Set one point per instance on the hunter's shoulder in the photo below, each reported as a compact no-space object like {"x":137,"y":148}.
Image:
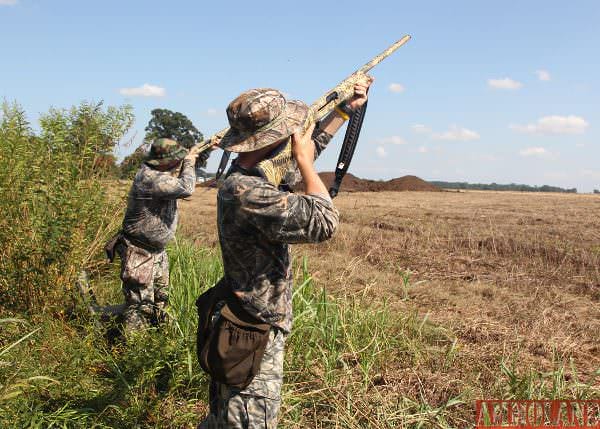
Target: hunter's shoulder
{"x":148,"y":179}
{"x":146,"y":173}
{"x":249,"y":190}
{"x":240,"y":185}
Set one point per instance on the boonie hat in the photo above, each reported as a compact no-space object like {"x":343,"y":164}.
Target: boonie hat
{"x":164,"y":152}
{"x":260,"y":117}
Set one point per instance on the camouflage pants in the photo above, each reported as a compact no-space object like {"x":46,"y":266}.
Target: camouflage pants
{"x":258,"y":404}
{"x":145,"y":304}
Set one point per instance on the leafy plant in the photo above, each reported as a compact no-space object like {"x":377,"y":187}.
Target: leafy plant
{"x":56,"y":215}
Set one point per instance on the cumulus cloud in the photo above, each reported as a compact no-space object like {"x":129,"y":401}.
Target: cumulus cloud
{"x":456,"y":133}
{"x":211,"y":112}
{"x":8,"y":2}
{"x":421,"y":129}
{"x":396,"y":87}
{"x":422,"y":149}
{"x":380,"y":150}
{"x":504,"y":83}
{"x":543,"y":75}
{"x":554,"y":125}
{"x":146,"y":90}
{"x":392,"y":140}
{"x":533,"y":151}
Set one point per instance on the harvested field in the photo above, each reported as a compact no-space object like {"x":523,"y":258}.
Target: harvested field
{"x":515,"y":278}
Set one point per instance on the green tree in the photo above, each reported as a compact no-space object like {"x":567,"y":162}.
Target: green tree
{"x":173,"y":125}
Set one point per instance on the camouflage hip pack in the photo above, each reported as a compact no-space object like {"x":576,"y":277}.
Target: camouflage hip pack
{"x":137,"y":263}
{"x":230,"y":343}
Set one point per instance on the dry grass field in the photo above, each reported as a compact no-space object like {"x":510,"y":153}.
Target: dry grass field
{"x":513,"y":278}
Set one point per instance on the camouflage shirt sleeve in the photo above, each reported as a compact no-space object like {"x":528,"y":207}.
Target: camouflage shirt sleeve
{"x":321,"y":139}
{"x":167,"y":187}
{"x":289,"y":218}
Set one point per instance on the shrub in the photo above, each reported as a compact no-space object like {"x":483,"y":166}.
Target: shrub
{"x":55,"y":211}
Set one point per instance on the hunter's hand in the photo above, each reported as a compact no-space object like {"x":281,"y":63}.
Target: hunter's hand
{"x":303,"y":147}
{"x":192,"y":153}
{"x":360,"y":93}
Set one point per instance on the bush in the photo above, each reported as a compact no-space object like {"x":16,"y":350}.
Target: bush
{"x":56,"y":215}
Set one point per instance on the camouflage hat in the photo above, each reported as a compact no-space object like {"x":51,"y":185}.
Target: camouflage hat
{"x":164,"y":152}
{"x":260,"y":117}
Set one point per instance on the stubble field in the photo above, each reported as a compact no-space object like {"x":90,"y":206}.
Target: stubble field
{"x":511,"y":279}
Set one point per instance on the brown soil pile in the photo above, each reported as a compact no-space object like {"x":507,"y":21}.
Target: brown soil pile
{"x":352,"y":183}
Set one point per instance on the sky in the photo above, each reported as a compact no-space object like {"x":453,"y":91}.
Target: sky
{"x":485,"y":91}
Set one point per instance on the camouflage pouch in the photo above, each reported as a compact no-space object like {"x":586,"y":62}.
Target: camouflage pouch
{"x":231,"y":343}
{"x":137,"y":264}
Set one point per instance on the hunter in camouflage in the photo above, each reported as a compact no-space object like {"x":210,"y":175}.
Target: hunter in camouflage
{"x":149,"y":224}
{"x":256,"y":223}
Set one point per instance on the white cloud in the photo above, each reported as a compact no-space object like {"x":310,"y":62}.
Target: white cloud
{"x":456,"y":133}
{"x":554,"y":125}
{"x":421,"y":129}
{"x":533,"y":151}
{"x":211,"y":112}
{"x":146,"y":90}
{"x":392,"y":140}
{"x":422,"y":149}
{"x":8,"y":2}
{"x":543,"y":75}
{"x":397,"y":140}
{"x":504,"y":83}
{"x":396,"y":87}
{"x":381,"y":151}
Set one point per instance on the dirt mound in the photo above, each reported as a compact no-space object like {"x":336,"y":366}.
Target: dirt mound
{"x":351,"y":183}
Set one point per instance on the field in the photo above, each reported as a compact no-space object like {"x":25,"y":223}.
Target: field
{"x":420,"y":304}
{"x":513,"y":279}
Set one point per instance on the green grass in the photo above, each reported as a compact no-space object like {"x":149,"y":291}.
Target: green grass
{"x":350,"y":363}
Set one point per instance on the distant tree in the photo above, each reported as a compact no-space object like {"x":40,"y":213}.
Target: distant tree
{"x":173,"y":125}
{"x":596,"y":191}
{"x":501,"y":187}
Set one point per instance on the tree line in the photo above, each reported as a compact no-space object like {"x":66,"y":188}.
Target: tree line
{"x":503,"y":187}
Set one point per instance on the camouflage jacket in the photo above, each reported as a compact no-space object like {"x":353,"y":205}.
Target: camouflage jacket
{"x":151,"y":215}
{"x":256,"y":222}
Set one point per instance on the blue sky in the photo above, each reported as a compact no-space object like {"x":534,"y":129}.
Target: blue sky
{"x":484,"y":92}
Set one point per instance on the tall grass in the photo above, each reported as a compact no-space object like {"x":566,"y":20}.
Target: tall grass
{"x":350,"y":363}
